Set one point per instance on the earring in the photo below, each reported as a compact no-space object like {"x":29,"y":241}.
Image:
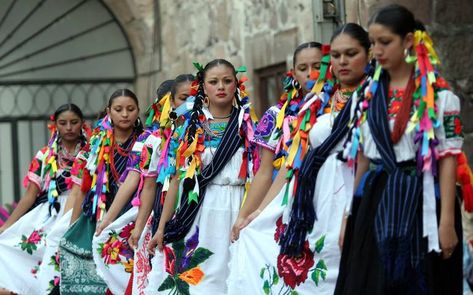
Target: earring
{"x":137,"y":122}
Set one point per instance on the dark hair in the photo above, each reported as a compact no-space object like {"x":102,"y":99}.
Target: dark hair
{"x":398,"y":18}
{"x":303,"y":46}
{"x":164,"y":88}
{"x":127,"y":93}
{"x":356,"y":32}
{"x":68,"y":107}
{"x":213,"y":64}
{"x":122,"y":92}
{"x":180,"y":79}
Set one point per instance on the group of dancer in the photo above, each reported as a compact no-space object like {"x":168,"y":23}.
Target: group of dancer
{"x":346,"y":186}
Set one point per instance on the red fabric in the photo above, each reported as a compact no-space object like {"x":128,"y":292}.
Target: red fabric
{"x":129,"y":287}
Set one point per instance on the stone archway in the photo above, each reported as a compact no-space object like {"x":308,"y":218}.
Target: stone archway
{"x":53,"y":52}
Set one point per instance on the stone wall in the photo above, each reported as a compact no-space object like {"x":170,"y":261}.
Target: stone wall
{"x":260,"y":33}
{"x":255,"y":33}
{"x":450,"y":24}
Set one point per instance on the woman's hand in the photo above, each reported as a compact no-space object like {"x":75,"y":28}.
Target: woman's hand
{"x":156,"y":241}
{"x":133,"y":240}
{"x":448,"y":239}
{"x":105,"y":222}
{"x":241,"y":223}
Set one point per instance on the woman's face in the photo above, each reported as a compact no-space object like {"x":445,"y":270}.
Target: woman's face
{"x":69,"y":126}
{"x":123,"y":112}
{"x":181,"y":94}
{"x":348,"y":59}
{"x":220,"y":85}
{"x":388,"y":48}
{"x":307,"y":61}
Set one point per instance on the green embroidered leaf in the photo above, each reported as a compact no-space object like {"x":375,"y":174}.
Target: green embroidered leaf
{"x":321,"y":265}
{"x":199,"y":256}
{"x":294,"y":293}
{"x":320,"y":271}
{"x":315,"y":276}
{"x":168,"y":283}
{"x":319,"y":245}
{"x":182,"y":287}
{"x":266,"y":288}
{"x":261,"y":273}
{"x":275,"y":278}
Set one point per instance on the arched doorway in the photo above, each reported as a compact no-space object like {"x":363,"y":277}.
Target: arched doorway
{"x":53,"y":52}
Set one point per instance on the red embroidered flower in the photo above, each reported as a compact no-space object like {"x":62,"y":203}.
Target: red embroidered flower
{"x":394,"y":107}
{"x":458,"y":126}
{"x":441,"y":83}
{"x":110,"y":251}
{"x":34,"y":238}
{"x":127,"y":231}
{"x":169,"y":260}
{"x":294,"y":270}
{"x":280,"y":227}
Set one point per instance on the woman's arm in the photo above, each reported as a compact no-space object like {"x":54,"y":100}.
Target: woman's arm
{"x":447,"y":236}
{"x":77,"y":198}
{"x":123,"y":196}
{"x":23,"y":206}
{"x":273,"y":191}
{"x":148,"y":195}
{"x":259,"y":187}
{"x":166,"y":215}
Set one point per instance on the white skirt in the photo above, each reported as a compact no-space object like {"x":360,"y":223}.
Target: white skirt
{"x":22,"y":248}
{"x":112,"y":253}
{"x":258,"y":268}
{"x":48,"y":273}
{"x":142,"y":266}
{"x":205,"y":270}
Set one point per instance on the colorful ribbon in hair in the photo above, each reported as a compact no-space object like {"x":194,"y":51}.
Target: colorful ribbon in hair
{"x":424,"y":120}
{"x":312,"y":106}
{"x":98,"y":165}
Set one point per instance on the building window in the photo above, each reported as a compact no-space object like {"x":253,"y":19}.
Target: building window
{"x":270,"y":86}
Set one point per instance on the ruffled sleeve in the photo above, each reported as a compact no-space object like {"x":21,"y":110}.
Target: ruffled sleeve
{"x":144,"y":155}
{"x":78,"y":167}
{"x":36,"y":170}
{"x":264,"y":133}
{"x":450,"y":131}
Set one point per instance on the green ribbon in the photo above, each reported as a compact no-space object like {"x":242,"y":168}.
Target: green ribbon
{"x":198,"y":66}
{"x":241,"y":69}
{"x":149,"y":120}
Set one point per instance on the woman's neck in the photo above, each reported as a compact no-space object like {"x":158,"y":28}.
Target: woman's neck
{"x":349,"y":87}
{"x":121,"y":135}
{"x":70,"y":146}
{"x":220,"y":113}
{"x":400,"y":75}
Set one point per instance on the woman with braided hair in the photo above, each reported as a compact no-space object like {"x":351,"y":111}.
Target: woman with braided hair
{"x":23,"y":238}
{"x":402,"y":235}
{"x":284,"y":248}
{"x":214,"y":165}
{"x":273,"y":129}
{"x":138,"y":189}
{"x":95,"y":186}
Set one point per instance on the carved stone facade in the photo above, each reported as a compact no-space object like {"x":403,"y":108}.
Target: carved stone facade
{"x":168,"y":35}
